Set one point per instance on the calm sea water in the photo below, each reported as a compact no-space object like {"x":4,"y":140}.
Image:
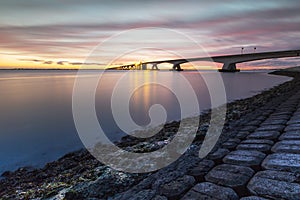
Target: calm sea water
{"x":36,"y":121}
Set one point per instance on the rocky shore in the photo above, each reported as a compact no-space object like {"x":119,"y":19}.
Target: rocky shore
{"x":256,"y":157}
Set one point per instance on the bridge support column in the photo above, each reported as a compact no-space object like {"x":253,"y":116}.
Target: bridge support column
{"x":144,"y":66}
{"x":132,"y":67}
{"x":154,"y":66}
{"x":176,"y":67}
{"x":229,"y":67}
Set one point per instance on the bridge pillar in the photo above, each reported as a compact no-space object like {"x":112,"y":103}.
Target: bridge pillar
{"x":176,"y":67}
{"x":144,"y":66}
{"x":154,"y":66}
{"x":229,"y":67}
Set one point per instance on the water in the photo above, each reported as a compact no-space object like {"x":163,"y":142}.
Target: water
{"x":36,"y":122}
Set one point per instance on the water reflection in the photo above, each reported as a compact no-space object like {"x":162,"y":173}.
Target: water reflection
{"x":36,"y":107}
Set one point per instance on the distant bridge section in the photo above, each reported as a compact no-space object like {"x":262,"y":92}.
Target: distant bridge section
{"x":229,"y":61}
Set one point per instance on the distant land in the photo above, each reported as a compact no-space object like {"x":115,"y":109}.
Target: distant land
{"x":296,"y":68}
{"x":41,"y":69}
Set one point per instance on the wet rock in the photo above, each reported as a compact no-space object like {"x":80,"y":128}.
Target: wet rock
{"x":248,"y":128}
{"x":158,"y":197}
{"x":293,"y":120}
{"x":218,"y":154}
{"x":258,"y":147}
{"x":244,"y":158}
{"x":274,"y":122}
{"x":231,"y":143}
{"x":290,"y":135}
{"x":279,"y":175}
{"x":168,"y":177}
{"x":262,"y":117}
{"x":257,"y":141}
{"x":292,"y":127}
{"x":279,"y":117}
{"x":271,"y":128}
{"x":72,"y":194}
{"x":229,"y":175}
{"x":274,"y":185}
{"x":143,"y":195}
{"x":253,"y":198}
{"x":109,"y":183}
{"x":204,"y":127}
{"x":288,"y":111}
{"x":7,"y":174}
{"x":283,"y":161}
{"x":287,"y":146}
{"x":201,"y":169}
{"x":176,"y":188}
{"x":256,"y":122}
{"x":242,"y":134}
{"x":271,"y":135}
{"x":210,"y":191}
{"x":189,"y":162}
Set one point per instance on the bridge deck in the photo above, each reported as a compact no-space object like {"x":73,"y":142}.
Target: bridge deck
{"x":228,"y":60}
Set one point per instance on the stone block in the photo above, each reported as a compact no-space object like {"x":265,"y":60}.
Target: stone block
{"x":273,"y":185}
{"x":287,"y":146}
{"x":210,"y":191}
{"x":264,"y":135}
{"x":176,"y":188}
{"x":271,"y":128}
{"x":290,"y":135}
{"x":282,"y":161}
{"x":201,"y":169}
{"x":244,"y":158}
{"x":254,"y":146}
{"x":218,"y":154}
{"x":230,"y":175}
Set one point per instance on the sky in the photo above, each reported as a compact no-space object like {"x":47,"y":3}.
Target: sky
{"x":63,"y":33}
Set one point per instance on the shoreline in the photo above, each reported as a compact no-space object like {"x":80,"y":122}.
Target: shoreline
{"x":78,"y":169}
{"x":66,"y":69}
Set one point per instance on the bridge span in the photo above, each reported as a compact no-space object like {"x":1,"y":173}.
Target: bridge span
{"x":229,"y":61}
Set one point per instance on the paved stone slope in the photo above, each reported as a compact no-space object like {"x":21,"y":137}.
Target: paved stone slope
{"x":258,"y":158}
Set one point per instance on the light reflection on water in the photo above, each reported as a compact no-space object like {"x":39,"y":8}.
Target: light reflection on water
{"x":36,"y":123}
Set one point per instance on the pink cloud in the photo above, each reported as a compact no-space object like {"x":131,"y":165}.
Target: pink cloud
{"x":268,"y":30}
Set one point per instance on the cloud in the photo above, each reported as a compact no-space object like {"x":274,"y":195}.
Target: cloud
{"x":32,"y":60}
{"x":60,"y":62}
{"x":48,"y":62}
{"x":220,"y":27}
{"x":81,"y":63}
{"x":278,"y":62}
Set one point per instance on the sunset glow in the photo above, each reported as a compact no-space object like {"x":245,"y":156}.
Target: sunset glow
{"x":61,"y":34}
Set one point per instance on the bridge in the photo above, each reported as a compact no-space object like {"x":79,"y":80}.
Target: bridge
{"x":229,"y":61}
